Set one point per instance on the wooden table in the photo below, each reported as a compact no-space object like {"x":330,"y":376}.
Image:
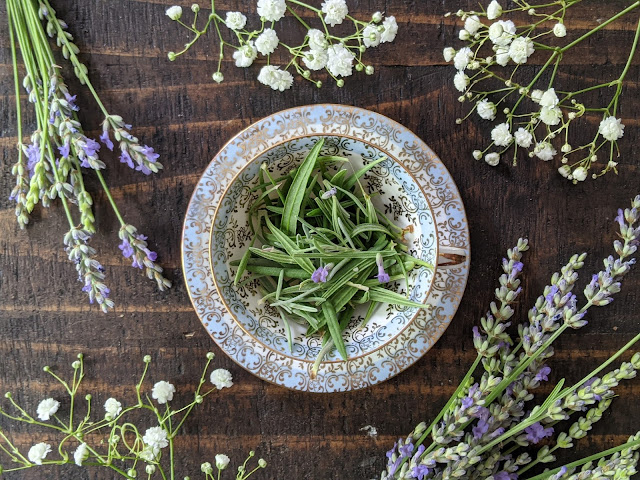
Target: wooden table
{"x":45,"y":318}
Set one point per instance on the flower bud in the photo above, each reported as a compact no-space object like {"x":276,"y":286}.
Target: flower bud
{"x":262,"y":463}
{"x":464,"y":35}
{"x":340,"y":83}
{"x":359,"y":67}
{"x":150,"y":469}
{"x":477,"y":154}
{"x":376,"y":17}
{"x":369,"y":70}
{"x":132,"y":473}
{"x":210,"y":355}
{"x":218,"y":77}
{"x":195,"y":8}
{"x":174,"y":13}
{"x":319,"y":84}
{"x":206,"y":468}
{"x":146,"y":359}
{"x":566,"y":148}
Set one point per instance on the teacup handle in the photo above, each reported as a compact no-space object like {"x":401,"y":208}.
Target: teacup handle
{"x":449,"y":257}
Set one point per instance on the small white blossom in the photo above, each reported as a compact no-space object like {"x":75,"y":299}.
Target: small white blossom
{"x":340,"y":61}
{"x":156,"y":438}
{"x":267,"y":41}
{"x":81,"y":454}
{"x":523,"y":138}
{"x":217,"y":77}
{"x":112,"y":407}
{"x":317,"y":40}
{"x":549,"y":98}
{"x":235,"y":20}
{"x":376,"y":17}
{"x":390,"y":29}
{"x":492,"y":159}
{"x":163,"y":392}
{"x":502,"y":56}
{"x":150,"y":469}
{"x":221,"y":378}
{"x":315,"y":59}
{"x":477,"y":154}
{"x":559,"y":30}
{"x":502,"y":32}
{"x":448,"y":54}
{"x":245,"y":55}
{"x":611,"y":128}
{"x":464,"y":35}
{"x":222,"y":461}
{"x":461,"y":81}
{"x":521,"y":49}
{"x":564,"y":170}
{"x":335,"y":11}
{"x":46,"y":408}
{"x":39,"y":452}
{"x":580,"y":174}
{"x":275,"y":78}
{"x":371,"y":36}
{"x":272,"y":10}
{"x":174,"y":13}
{"x":149,"y":453}
{"x":461,"y":59}
{"x":472,"y":24}
{"x":206,"y":468}
{"x":486,"y":109}
{"x":536,"y":95}
{"x":501,"y":135}
{"x":494,"y":10}
{"x":550,"y":115}
{"x":545,"y":151}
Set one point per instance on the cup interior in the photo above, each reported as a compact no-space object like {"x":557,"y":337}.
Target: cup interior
{"x":397,"y":195}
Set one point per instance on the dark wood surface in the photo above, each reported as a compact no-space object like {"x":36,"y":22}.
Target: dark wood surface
{"x":45,"y":319}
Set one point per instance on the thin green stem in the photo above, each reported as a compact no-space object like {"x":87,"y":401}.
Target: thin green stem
{"x":110,"y":198}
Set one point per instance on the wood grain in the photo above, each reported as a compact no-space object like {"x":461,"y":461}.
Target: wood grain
{"x":44,"y":318}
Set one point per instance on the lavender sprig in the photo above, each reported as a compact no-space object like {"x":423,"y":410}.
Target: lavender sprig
{"x":51,"y":165}
{"x":90,"y":272}
{"x":134,"y":246}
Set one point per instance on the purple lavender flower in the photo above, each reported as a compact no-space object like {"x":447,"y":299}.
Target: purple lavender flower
{"x":127,"y":249}
{"x":126,"y":158}
{"x":104,"y":138}
{"x":542,"y":374}
{"x":496,"y":433}
{"x":144,"y":169}
{"x":392,"y":451}
{"x":72,"y":101}
{"x":33,"y":156}
{"x":620,"y":218}
{"x":560,"y":473}
{"x":517,"y":267}
{"x":504,"y":475}
{"x":151,"y":155}
{"x":467,"y":402}
{"x":65,"y":150}
{"x":482,"y":413}
{"x":90,"y":147}
{"x":480,"y":429}
{"x":418,"y":453}
{"x":329,"y":193}
{"x":588,"y":383}
{"x":382,"y":276}
{"x":552,"y":292}
{"x":476,"y":332}
{"x":420,"y":472}
{"x":406,"y":450}
{"x":320,"y":275}
{"x":537,"y":432}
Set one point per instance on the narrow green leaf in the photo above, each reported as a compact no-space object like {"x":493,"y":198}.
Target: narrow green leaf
{"x":370,"y":227}
{"x":351,"y":181}
{"x":243,"y":263}
{"x":295,"y":194}
{"x":330,"y":315}
{"x":290,"y":247}
{"x":379,"y":294}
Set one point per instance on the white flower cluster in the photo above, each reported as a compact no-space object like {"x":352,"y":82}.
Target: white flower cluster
{"x":320,"y":49}
{"x":551,"y":113}
{"x":143,"y":449}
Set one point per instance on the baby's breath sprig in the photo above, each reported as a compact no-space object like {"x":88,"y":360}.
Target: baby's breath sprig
{"x":127,"y":452}
{"x":483,"y":426}
{"x":320,"y":49}
{"x":54,"y":163}
{"x":535,"y":114}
